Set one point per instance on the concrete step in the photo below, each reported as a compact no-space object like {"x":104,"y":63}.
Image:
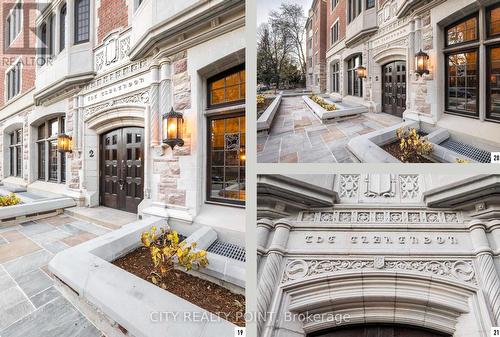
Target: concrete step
{"x":108,"y":217}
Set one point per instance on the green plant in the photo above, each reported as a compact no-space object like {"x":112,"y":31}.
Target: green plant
{"x":166,"y":250}
{"x":261,"y":99}
{"x":9,"y":200}
{"x":412,"y":144}
{"x":322,"y":103}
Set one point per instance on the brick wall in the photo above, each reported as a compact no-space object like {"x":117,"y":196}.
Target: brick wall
{"x":338,"y":12}
{"x":112,"y":14}
{"x":23,"y":46}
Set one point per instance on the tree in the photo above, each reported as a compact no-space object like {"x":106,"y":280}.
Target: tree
{"x":273,"y":50}
{"x":291,"y":20}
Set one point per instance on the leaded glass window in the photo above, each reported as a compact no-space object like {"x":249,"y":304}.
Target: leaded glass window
{"x":462,"y":82}
{"x":462,"y":32}
{"x":227,"y":88}
{"x":51,"y":162}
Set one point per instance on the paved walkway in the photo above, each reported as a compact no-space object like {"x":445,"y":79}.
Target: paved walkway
{"x":298,"y":136}
{"x":30,"y":306}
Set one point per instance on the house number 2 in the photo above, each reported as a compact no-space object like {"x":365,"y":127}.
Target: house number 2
{"x":91,"y":153}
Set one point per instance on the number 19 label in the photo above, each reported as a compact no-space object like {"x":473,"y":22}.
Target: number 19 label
{"x":240,"y":332}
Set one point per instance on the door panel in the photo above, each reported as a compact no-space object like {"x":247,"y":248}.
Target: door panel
{"x":394,"y":88}
{"x":378,"y":331}
{"x":121,"y":169}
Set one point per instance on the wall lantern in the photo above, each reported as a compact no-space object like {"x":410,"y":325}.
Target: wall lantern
{"x":172,"y":126}
{"x":422,"y":63}
{"x":64,"y":143}
{"x":361,"y":72}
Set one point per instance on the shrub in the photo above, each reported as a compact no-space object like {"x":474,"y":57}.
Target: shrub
{"x":9,"y":200}
{"x":165,"y":250}
{"x":261,"y":99}
{"x":411,"y":144}
{"x":322,"y":103}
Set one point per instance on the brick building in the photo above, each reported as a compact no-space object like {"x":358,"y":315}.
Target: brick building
{"x":104,"y":72}
{"x":316,"y":41}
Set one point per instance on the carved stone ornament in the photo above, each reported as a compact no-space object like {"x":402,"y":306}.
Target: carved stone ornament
{"x":409,"y":184}
{"x":380,"y":185}
{"x":381,"y":216}
{"x":457,"y":270}
{"x":349,"y":184}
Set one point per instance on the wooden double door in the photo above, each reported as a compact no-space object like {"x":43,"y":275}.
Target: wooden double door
{"x":122,"y":168}
{"x":394,"y":88}
{"x":378,"y":331}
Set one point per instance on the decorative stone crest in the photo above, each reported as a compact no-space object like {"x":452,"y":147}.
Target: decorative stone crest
{"x":410,"y":188}
{"x":455,"y":269}
{"x":380,"y":185}
{"x":349,"y":184}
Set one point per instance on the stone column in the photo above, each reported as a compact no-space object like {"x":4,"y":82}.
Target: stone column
{"x":154,"y":101}
{"x":487,"y":273}
{"x":165,"y":92}
{"x":271,"y":270}
{"x":264,"y":226}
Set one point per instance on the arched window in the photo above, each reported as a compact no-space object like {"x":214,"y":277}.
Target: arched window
{"x":16,"y":153}
{"x":82,"y":21}
{"x":51,"y":162}
{"x":354,"y":83}
{"x":226,"y":137}
{"x":62,"y":30}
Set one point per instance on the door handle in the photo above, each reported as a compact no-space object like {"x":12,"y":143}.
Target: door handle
{"x":121,"y":182}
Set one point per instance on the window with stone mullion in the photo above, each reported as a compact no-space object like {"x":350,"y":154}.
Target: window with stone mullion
{"x":51,"y":162}
{"x":15,"y":151}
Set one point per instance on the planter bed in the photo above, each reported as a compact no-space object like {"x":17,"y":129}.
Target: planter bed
{"x":120,"y":303}
{"x":394,"y":149}
{"x":205,"y":294}
{"x":343,"y":109}
{"x":265,"y":119}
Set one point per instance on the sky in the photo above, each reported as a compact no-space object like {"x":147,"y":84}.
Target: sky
{"x":266,"y":6}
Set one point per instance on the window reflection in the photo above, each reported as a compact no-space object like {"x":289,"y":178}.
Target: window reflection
{"x":462,"y":82}
{"x":464,"y":31}
{"x":494,"y":83}
{"x":227,"y":88}
{"x":494,"y":21}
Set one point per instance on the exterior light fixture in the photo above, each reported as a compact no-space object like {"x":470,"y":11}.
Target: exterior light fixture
{"x":361,"y":72}
{"x":422,"y":63}
{"x":64,"y":143}
{"x":172,"y":126}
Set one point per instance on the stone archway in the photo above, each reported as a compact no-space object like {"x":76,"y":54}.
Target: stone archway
{"x":368,"y":296}
{"x":381,"y":59}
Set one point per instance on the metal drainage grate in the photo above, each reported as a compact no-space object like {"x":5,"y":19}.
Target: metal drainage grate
{"x":228,"y":250}
{"x":470,"y":151}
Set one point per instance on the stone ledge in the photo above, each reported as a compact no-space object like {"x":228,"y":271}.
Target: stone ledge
{"x":121,"y":297}
{"x":34,"y":208}
{"x":342,"y":110}
{"x":266,"y":119}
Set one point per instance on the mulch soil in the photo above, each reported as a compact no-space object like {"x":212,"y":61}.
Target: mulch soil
{"x":395,"y":150}
{"x":262,"y":107}
{"x":205,"y":294}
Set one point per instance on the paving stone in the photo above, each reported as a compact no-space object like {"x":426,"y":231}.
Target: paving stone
{"x":45,"y":296}
{"x":34,"y":282}
{"x":6,"y":281}
{"x":32,"y":228}
{"x":28,"y":263}
{"x":59,"y":220}
{"x":77,"y":239}
{"x":2,"y":241}
{"x":89,"y":227}
{"x":58,"y":318}
{"x":51,"y":236}
{"x":11,"y":296}
{"x":55,"y":247}
{"x":13,"y":235}
{"x":17,"y":249}
{"x":13,"y":314}
{"x":70,"y":229}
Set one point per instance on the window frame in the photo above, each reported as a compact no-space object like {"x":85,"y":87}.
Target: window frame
{"x":334,"y":4}
{"x":222,"y":75}
{"x":336,"y":77}
{"x":76,"y":28}
{"x":14,"y":20}
{"x":367,"y":6}
{"x":13,"y":81}
{"x":354,"y":76}
{"x":44,"y":145}
{"x":62,"y":26}
{"x":209,"y":198}
{"x":447,"y":85}
{"x":488,"y":21}
{"x":334,"y":38}
{"x":16,"y":170}
{"x":488,"y":83}
{"x":468,"y":17}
